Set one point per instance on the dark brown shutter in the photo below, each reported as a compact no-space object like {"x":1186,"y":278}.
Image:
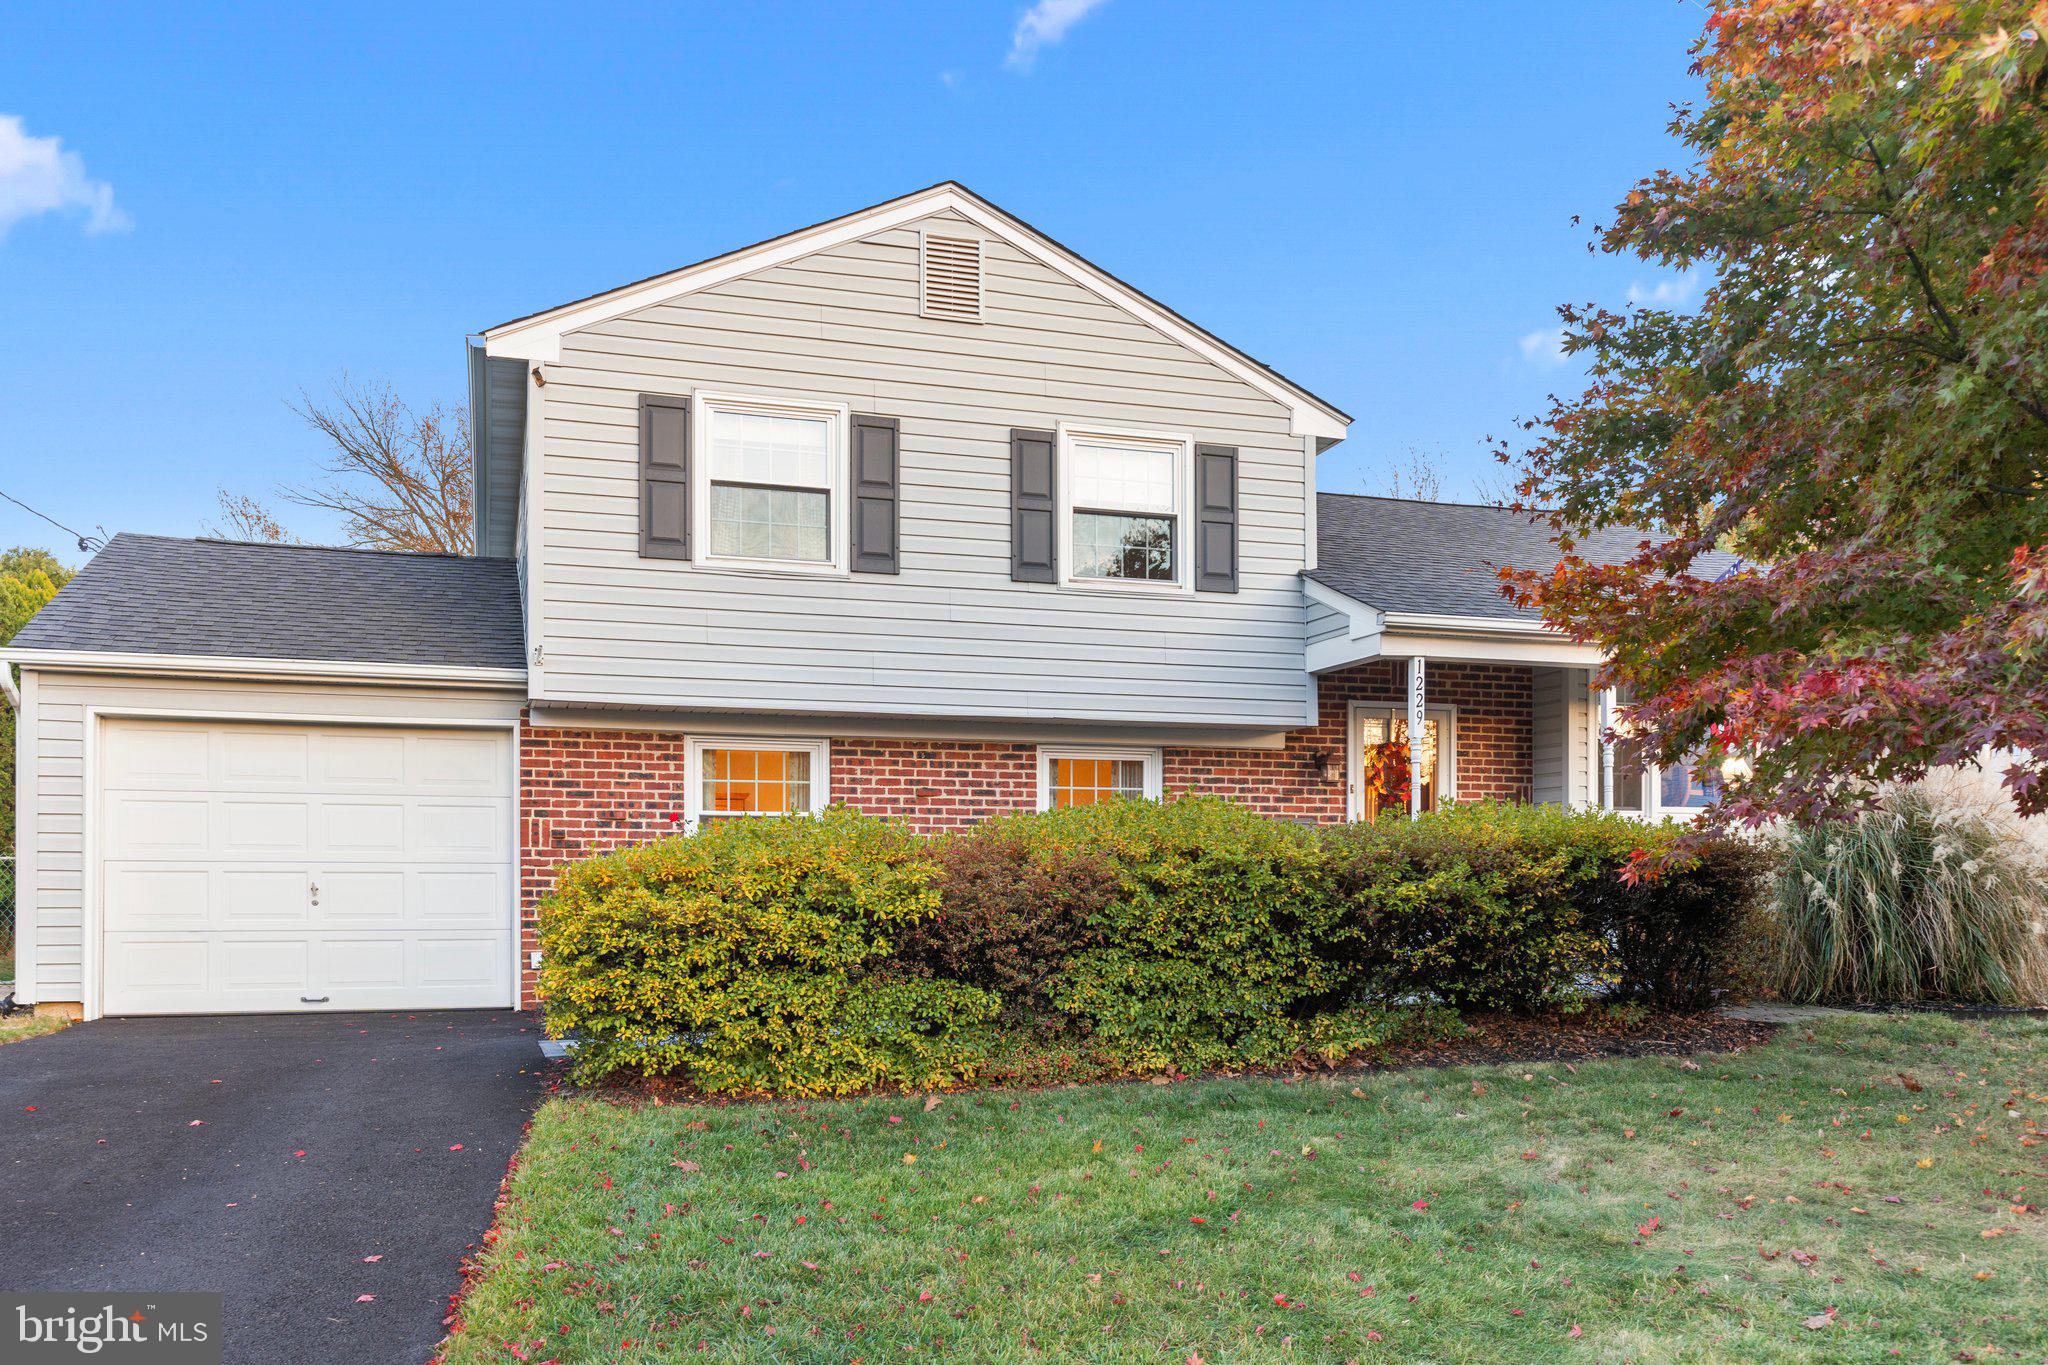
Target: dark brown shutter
{"x":664,"y":476}
{"x":1215,"y":519}
{"x":1033,"y":509}
{"x":877,"y":450}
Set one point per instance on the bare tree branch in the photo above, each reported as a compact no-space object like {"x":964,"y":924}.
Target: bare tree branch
{"x":244,"y":518}
{"x":398,"y":479}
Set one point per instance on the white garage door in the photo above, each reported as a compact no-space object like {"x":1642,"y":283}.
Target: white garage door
{"x":272,"y":867}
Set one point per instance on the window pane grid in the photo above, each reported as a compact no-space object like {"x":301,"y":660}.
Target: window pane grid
{"x":1123,"y":479}
{"x":755,"y":782}
{"x":756,"y":447}
{"x":770,"y":523}
{"x":1088,"y":781}
{"x":1108,"y":545}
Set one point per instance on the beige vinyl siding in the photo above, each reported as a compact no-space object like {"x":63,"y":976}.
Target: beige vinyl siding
{"x":951,"y":634}
{"x":57,"y":786}
{"x":1562,"y":738}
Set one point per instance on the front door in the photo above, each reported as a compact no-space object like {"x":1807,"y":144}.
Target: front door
{"x":1379,"y":781}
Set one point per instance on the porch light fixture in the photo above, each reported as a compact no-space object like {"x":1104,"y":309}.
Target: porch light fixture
{"x":1319,"y":759}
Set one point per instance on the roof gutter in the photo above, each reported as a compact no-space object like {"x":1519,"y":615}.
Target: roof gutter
{"x":223,"y":666}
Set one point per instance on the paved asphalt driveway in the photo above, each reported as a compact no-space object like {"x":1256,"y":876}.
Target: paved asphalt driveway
{"x":320,"y":1140}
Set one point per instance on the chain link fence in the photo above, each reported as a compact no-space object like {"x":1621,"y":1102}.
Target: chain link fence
{"x":6,"y":920}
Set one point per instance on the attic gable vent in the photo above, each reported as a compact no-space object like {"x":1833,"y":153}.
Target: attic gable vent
{"x":949,"y":278}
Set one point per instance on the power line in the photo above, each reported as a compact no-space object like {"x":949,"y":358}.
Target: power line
{"x":90,"y":545}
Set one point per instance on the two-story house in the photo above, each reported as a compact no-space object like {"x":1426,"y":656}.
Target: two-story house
{"x":915,"y":510}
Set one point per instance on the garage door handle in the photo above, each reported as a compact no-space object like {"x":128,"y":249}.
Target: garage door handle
{"x":313,"y":999}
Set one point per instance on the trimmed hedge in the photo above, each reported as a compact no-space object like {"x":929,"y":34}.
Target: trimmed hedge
{"x":755,"y":957}
{"x":828,"y":954}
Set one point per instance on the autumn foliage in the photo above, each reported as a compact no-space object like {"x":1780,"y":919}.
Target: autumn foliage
{"x":1858,"y":408}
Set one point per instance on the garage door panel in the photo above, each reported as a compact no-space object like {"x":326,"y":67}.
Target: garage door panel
{"x":160,"y":757}
{"x":280,"y":868}
{"x":472,"y":961}
{"x":256,"y":757}
{"x":176,"y":971}
{"x":358,"y":963}
{"x":141,"y":896}
{"x":264,"y":898}
{"x":474,"y":829}
{"x":458,"y":764}
{"x":157,"y":826}
{"x":363,"y":898}
{"x":375,"y":828}
{"x":281,"y":827}
{"x":264,"y":965}
{"x":359,"y":761}
{"x":451,"y":900}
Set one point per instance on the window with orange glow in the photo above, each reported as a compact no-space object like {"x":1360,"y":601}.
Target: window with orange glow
{"x":1085,"y":781}
{"x":755,"y":782}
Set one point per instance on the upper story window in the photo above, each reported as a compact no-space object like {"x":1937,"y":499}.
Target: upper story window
{"x":1125,"y":515}
{"x":771,"y":483}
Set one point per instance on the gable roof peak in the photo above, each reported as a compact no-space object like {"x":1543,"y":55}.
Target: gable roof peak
{"x":537,"y":337}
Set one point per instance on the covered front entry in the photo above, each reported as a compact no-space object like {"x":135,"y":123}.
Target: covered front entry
{"x":267,"y":867}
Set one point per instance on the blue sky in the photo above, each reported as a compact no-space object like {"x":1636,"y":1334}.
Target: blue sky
{"x":205,"y":211}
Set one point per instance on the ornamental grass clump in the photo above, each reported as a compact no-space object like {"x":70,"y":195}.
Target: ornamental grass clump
{"x":1921,"y":897}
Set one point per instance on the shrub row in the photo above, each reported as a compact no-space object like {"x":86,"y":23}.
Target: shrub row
{"x":828,"y":954}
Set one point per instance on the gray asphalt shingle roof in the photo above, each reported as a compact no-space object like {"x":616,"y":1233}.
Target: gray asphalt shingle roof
{"x":218,"y":598}
{"x":1443,"y":557}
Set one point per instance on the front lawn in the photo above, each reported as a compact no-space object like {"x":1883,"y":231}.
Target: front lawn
{"x":1861,"y":1185}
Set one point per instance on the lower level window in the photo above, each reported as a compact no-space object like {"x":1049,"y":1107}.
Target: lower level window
{"x":1085,"y":777}
{"x":730,"y":778}
{"x":1644,"y":787}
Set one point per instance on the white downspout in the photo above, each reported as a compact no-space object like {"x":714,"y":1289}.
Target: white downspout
{"x":7,"y":688}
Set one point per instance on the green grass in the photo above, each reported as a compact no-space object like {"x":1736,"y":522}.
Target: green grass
{"x":16,"y":1027}
{"x":1479,"y":1213}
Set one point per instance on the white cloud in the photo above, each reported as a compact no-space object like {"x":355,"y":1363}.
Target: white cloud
{"x":1044,"y":24}
{"x":1544,"y":348}
{"x":38,"y":176}
{"x":950,"y":79}
{"x":1672,"y":293}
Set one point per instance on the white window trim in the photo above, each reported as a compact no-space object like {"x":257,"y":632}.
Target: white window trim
{"x":1151,"y":758}
{"x":1183,"y":514}
{"x":1446,"y":718}
{"x":701,"y":407}
{"x":820,"y":751}
{"x":1653,"y":808}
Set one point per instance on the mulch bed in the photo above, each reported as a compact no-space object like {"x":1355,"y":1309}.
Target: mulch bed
{"x":1502,"y":1038}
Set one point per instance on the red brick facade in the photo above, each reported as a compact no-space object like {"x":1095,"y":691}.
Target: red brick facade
{"x":584,"y":791}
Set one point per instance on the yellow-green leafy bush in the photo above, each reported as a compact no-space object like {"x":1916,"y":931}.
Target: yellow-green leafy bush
{"x":1213,"y":940}
{"x":755,"y":957}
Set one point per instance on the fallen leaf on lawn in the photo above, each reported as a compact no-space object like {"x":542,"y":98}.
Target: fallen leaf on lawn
{"x":685,"y":1166}
{"x":1818,"y":1321}
{"x":1575,"y":1333}
{"x":931,"y":1102}
{"x":1924,"y":1162}
{"x":910,"y":1158}
{"x":1419,"y":1204}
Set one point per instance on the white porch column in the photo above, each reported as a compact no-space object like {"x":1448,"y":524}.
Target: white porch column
{"x":1418,"y":720}
{"x":1606,"y":748}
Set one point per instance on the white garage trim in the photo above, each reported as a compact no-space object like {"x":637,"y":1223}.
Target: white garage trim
{"x":93,"y":920}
